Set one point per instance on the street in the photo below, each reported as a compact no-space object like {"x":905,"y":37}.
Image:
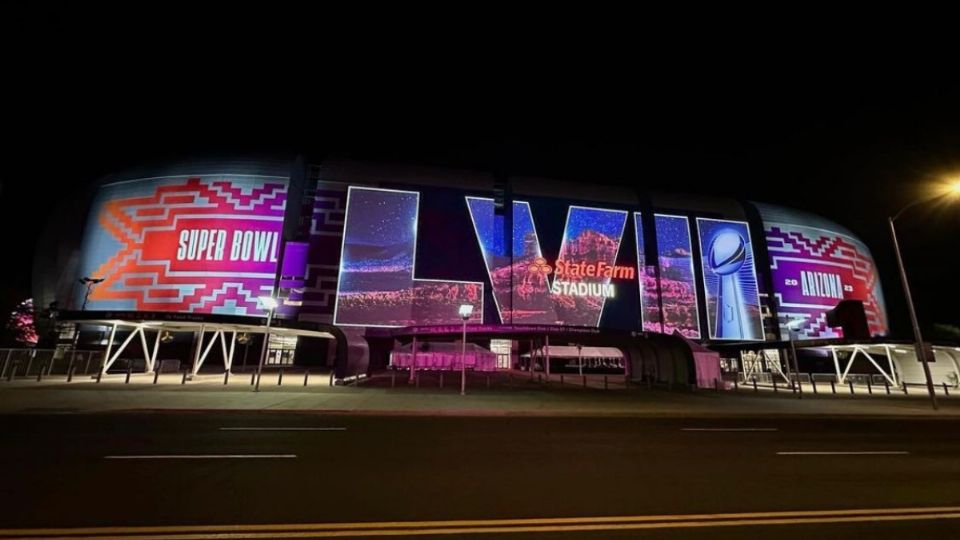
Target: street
{"x":131,"y":469}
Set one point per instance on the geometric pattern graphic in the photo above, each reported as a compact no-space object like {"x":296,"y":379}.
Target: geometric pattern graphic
{"x":376,"y":285}
{"x":729,"y":280}
{"x":323,"y":264}
{"x":196,"y":244}
{"x":678,"y":288}
{"x":814,"y":269}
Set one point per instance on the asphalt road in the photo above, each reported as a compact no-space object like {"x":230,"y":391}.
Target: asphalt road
{"x":131,"y":469}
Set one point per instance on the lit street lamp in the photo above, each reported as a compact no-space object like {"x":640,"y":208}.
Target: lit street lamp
{"x":465,"y":311}
{"x":952,"y":190}
{"x":270,"y":304}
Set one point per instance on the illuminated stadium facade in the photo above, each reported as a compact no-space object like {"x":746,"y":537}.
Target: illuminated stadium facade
{"x":376,"y":257}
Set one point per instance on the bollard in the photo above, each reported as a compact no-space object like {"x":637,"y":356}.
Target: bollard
{"x":945,"y":391}
{"x":736,"y":385}
{"x":905,"y":390}
{"x":226,"y":377}
{"x":70,"y":364}
{"x":184,"y":379}
{"x":70,"y":374}
{"x":280,"y":378}
{"x":716,"y":385}
{"x":99,"y":374}
{"x":253,"y":378}
{"x":813,"y":383}
{"x":356,"y":378}
{"x":393,"y":378}
{"x":869,"y":387}
{"x":886,"y":385}
{"x":156,"y":375}
{"x":584,"y":377}
{"x":127,"y":379}
{"x":851,"y":387}
{"x":833,"y":387}
{"x":605,"y":387}
{"x":561,"y":380}
{"x":306,"y":377}
{"x":40,"y":373}
{"x":416,"y":380}
{"x":774,"y":379}
{"x":441,"y":379}
{"x":755,"y":385}
{"x":540,"y":378}
{"x":488,"y":381}
{"x":332,"y":373}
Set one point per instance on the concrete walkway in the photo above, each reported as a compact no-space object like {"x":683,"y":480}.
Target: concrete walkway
{"x":208,"y":392}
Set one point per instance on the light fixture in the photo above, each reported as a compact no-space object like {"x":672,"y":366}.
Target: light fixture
{"x":953,"y":188}
{"x":466,"y":310}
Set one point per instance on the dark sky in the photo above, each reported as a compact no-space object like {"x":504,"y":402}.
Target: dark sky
{"x":851,"y":130}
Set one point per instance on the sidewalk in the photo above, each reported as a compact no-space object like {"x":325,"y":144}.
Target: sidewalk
{"x":533,"y":399}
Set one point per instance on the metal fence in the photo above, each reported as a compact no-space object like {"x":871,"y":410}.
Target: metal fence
{"x":42,"y":362}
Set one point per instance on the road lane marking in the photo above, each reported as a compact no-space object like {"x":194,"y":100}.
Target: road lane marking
{"x":729,"y":429}
{"x":283,"y":429}
{"x":203,"y":456}
{"x":845,"y":453}
{"x":510,"y":526}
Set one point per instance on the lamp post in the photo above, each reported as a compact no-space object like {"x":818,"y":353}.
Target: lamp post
{"x":951,"y":190}
{"x":792,"y":331}
{"x":89,"y":283}
{"x":465,"y":311}
{"x":270,"y":303}
{"x":580,"y":358}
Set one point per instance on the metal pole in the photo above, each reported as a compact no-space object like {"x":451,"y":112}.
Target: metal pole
{"x":921,"y":353}
{"x":263,"y":349}
{"x":796,"y":364}
{"x":546,"y":360}
{"x":580,"y":358}
{"x":463,"y":361}
{"x":106,"y":356}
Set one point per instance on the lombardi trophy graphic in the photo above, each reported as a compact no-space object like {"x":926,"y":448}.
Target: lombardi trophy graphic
{"x":728,"y":252}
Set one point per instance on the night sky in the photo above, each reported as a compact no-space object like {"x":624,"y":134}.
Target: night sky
{"x":851,"y":129}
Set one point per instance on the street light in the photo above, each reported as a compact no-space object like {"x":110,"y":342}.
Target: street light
{"x":951,"y":189}
{"x":466,"y":310}
{"x":89,"y":283}
{"x":270,"y":304}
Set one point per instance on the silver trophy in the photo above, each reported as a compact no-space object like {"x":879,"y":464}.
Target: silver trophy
{"x":728,"y":252}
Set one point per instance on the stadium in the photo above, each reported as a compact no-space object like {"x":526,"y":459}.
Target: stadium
{"x":355,"y":268}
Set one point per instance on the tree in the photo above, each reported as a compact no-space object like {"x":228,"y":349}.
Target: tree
{"x":21,"y":324}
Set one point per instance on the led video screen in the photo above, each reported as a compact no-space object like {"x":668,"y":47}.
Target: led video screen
{"x":814,"y":265}
{"x":376,"y":285}
{"x":591,"y":241}
{"x":729,"y":280}
{"x":522,"y":296}
{"x":570,"y":289}
{"x":650,"y":308}
{"x":678,"y":288}
{"x":196,"y":244}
